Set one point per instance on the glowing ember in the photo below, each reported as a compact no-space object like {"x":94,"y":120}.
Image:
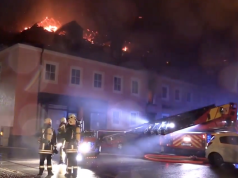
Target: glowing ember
{"x":90,"y":35}
{"x":125,"y":48}
{"x":62,"y":33}
{"x":50,"y":25}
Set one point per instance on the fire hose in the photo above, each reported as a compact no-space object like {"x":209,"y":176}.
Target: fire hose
{"x":175,"y":159}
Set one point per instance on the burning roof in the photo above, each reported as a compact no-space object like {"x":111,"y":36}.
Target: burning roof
{"x":54,"y":26}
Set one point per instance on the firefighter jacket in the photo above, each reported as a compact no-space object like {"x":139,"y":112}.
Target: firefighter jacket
{"x":47,"y":139}
{"x":73,"y":138}
{"x":61,"y":131}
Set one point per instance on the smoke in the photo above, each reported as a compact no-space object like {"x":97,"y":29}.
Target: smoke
{"x":187,"y":19}
{"x":179,"y":25}
{"x":89,"y":14}
{"x":191,"y":19}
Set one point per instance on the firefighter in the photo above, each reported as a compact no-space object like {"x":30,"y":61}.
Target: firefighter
{"x":47,"y":139}
{"x":73,"y":137}
{"x":60,"y":138}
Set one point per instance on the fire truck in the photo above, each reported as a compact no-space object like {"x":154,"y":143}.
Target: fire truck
{"x":187,"y":132}
{"x":89,"y":147}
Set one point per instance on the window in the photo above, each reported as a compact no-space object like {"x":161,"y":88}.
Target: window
{"x":189,"y":97}
{"x":50,"y":72}
{"x":213,"y":137}
{"x":177,"y":94}
{"x":75,"y":76}
{"x":135,"y":87}
{"x":115,"y":117}
{"x":165,"y":92}
{"x":117,"y":84}
{"x":133,"y":117}
{"x":232,"y":140}
{"x":97,"y":80}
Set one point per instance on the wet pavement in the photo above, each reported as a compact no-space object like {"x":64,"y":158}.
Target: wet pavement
{"x":113,"y":166}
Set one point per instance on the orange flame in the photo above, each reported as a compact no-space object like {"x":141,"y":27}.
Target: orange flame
{"x":50,"y":25}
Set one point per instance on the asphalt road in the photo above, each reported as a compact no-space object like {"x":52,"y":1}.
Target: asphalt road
{"x":112,"y":166}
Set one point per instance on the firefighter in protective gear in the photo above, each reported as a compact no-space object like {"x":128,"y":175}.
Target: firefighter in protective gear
{"x":73,"y":137}
{"x":61,"y":139}
{"x":47,"y":139}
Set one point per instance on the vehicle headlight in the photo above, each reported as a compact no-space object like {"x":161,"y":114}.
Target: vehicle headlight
{"x":171,"y":125}
{"x":84,"y":147}
{"x":59,"y":144}
{"x":79,"y":157}
{"x":187,"y":139}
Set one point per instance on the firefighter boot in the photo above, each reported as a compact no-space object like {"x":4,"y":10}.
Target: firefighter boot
{"x":50,"y":173}
{"x":41,"y":170}
{"x":75,"y":172}
{"x":68,"y":173}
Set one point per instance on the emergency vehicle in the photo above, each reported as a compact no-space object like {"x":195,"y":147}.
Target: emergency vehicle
{"x":90,"y":146}
{"x":188,"y":132}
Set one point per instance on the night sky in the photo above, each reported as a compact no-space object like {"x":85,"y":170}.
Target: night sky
{"x":185,"y":32}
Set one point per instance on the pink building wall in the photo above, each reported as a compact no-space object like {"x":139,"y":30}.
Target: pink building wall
{"x":26,"y":71}
{"x":8,"y":76}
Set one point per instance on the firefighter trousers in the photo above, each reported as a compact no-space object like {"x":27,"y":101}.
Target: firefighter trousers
{"x":62,"y":155}
{"x":44,"y":157}
{"x":72,"y":165}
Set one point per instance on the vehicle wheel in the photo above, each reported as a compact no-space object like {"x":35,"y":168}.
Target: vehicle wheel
{"x":215,"y":160}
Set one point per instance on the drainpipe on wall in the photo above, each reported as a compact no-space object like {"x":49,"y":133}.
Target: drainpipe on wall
{"x":38,"y":115}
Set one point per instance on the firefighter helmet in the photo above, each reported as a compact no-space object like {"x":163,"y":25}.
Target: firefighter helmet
{"x":72,"y":119}
{"x":63,"y":120}
{"x":48,"y":121}
{"x":72,"y":116}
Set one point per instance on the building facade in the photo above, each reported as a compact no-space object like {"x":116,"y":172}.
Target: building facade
{"x":177,"y":96}
{"x":172,"y":97}
{"x":37,"y":83}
